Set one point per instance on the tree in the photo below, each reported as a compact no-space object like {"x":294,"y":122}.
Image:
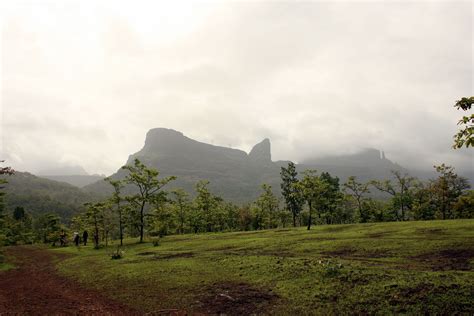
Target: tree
{"x":267,"y":205}
{"x":149,"y":189}
{"x":331,"y":199}
{"x":206,"y":206}
{"x":116,"y":200}
{"x":3,"y":171}
{"x":290,"y":190}
{"x":447,"y":189}
{"x":313,"y":189}
{"x":358,"y":191}
{"x":48,"y":228}
{"x":182,"y":206}
{"x":465,"y":136}
{"x":94,"y":215}
{"x":400,"y":189}
{"x":464,"y":207}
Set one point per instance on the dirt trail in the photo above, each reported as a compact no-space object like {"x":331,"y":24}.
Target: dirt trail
{"x":34,"y":288}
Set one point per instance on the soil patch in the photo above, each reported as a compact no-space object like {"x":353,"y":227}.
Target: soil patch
{"x":174,"y":255}
{"x":431,"y":231}
{"x":336,"y":229}
{"x":350,"y":253}
{"x":236,"y":299}
{"x":447,"y":259}
{"x":378,"y":234}
{"x":146,"y":253}
{"x":35,"y":288}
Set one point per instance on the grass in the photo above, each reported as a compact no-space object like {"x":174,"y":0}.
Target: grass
{"x":5,"y":265}
{"x":410,"y":267}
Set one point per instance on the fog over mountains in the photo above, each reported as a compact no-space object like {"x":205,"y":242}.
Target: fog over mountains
{"x":234,"y":174}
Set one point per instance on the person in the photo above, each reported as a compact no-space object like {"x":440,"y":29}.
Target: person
{"x":76,"y":238}
{"x":85,"y":235}
{"x":62,"y":238}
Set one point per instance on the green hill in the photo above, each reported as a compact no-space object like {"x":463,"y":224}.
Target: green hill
{"x":39,"y":196}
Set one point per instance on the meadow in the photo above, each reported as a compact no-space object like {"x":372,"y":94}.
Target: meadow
{"x":403,"y":267}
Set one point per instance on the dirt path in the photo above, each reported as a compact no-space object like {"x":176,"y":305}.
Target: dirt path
{"x":34,"y":288}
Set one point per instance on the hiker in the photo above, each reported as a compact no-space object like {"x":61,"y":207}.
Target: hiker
{"x":76,"y":238}
{"x":62,"y":238}
{"x":85,"y":235}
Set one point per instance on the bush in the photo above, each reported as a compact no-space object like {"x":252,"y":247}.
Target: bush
{"x":118,"y":254}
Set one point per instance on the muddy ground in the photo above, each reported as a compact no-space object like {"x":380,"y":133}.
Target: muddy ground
{"x":34,"y":288}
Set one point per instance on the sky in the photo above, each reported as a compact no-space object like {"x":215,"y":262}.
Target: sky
{"x":81,"y":82}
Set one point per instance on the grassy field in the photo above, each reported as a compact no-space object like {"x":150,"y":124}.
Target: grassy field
{"x":410,"y":267}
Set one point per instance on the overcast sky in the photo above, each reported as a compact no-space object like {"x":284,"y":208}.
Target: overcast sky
{"x":82,"y":82}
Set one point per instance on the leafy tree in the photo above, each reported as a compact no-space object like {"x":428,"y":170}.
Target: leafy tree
{"x":245,"y":218}
{"x":423,"y":205}
{"x":465,"y":137}
{"x":206,"y":204}
{"x":313,"y":189}
{"x":48,"y":228}
{"x":266,"y":207}
{"x":290,"y":190}
{"x":464,"y":206}
{"x":149,"y":189}
{"x":19,"y":213}
{"x":3,"y":171}
{"x":400,"y":189}
{"x":332,"y":198}
{"x":117,"y":200}
{"x":94,"y":215}
{"x":359,"y":192}
{"x":447,"y":189}
{"x":182,"y":205}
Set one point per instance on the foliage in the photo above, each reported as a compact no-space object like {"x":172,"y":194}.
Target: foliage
{"x":401,"y":188}
{"x":149,"y":189}
{"x":447,"y":189}
{"x":289,"y":189}
{"x":266,"y":208}
{"x":313,"y":189}
{"x":358,"y":191}
{"x":465,"y":136}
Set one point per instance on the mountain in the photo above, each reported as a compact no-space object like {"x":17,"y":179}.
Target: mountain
{"x":74,"y":175}
{"x":63,"y":171}
{"x":233,"y":174}
{"x":75,"y":180}
{"x":39,"y":196}
{"x":366,"y":165}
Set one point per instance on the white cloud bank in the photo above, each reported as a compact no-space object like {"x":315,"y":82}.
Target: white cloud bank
{"x":83,"y":82}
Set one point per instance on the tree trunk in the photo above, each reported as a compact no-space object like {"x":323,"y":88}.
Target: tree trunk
{"x":294,"y":219}
{"x":310,"y":219}
{"x":142,"y":221}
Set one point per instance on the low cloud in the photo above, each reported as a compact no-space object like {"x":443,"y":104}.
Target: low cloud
{"x":83,"y":84}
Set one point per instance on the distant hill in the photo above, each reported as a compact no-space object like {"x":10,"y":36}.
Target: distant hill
{"x":234,"y":174}
{"x":75,"y":175}
{"x":365,"y":165}
{"x":75,"y":180}
{"x":39,"y":196}
{"x":63,"y":170}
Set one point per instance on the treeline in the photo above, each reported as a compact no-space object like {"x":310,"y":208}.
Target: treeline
{"x":311,"y":198}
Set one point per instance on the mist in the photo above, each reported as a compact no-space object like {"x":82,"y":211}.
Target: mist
{"x":82,"y":83}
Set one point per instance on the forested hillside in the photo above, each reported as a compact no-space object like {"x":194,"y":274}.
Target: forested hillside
{"x":39,"y":196}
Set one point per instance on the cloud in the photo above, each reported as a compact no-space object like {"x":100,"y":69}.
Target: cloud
{"x":87,"y":81}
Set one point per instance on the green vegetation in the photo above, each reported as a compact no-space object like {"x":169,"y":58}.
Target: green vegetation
{"x":465,"y":136}
{"x":400,"y":267}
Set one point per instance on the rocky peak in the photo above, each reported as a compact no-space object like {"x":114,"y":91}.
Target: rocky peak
{"x":162,"y":137}
{"x":261,"y":152}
